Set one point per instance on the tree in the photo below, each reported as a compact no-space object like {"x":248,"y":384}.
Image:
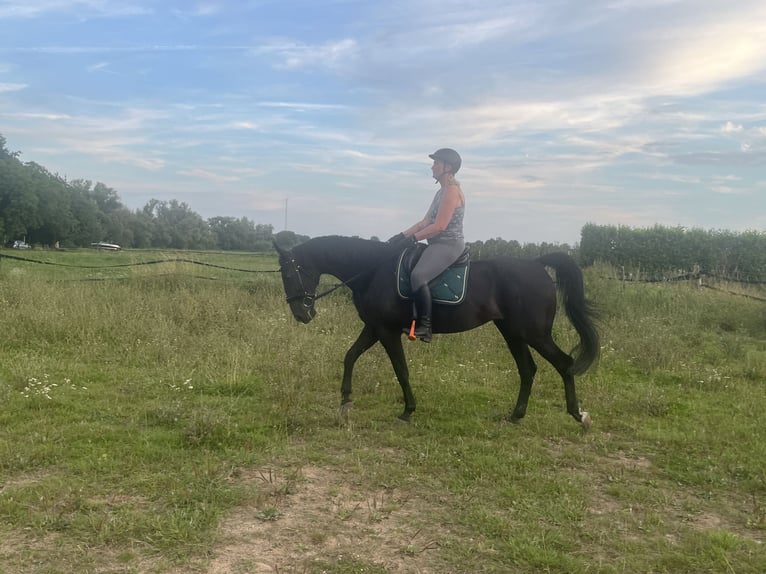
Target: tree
{"x":264,"y":236}
{"x":289,"y":239}
{"x":233,"y":234}
{"x":106,"y":198}
{"x":19,"y":204}
{"x":53,"y":220}
{"x":177,"y":226}
{"x":87,"y":224}
{"x":141,"y":228}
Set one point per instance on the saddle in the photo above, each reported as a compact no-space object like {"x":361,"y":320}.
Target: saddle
{"x":449,"y":287}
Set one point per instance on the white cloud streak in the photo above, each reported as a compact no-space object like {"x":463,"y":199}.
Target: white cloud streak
{"x":23,"y":9}
{"x":11,"y":87}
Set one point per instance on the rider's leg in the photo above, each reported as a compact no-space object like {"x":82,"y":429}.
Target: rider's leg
{"x":435,"y":259}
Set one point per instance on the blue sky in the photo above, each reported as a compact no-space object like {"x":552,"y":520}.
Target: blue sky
{"x":321,"y":114}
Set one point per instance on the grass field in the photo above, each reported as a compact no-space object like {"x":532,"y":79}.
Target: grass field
{"x":173,"y":417}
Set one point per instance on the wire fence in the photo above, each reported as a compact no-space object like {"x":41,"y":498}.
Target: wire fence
{"x":701,"y":279}
{"x":153,"y":262}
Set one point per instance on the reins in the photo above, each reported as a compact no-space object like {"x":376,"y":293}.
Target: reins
{"x":314,"y":297}
{"x":343,"y":283}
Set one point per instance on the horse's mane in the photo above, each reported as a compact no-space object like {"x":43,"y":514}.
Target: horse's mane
{"x":351,"y":247}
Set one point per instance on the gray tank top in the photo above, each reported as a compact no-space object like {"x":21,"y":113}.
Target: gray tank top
{"x":454,"y":230}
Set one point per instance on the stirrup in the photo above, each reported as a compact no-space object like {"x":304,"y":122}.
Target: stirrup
{"x":424,"y":335}
{"x":418,"y":331}
{"x":423,"y":330}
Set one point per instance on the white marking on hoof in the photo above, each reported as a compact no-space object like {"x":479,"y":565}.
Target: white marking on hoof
{"x":345,"y":409}
{"x":585,"y":419}
{"x":345,"y":415}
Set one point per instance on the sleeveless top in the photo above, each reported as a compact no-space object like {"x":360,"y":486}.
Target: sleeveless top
{"x":454,"y":230}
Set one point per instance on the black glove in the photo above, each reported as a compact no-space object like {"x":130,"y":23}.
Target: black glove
{"x":401,"y":241}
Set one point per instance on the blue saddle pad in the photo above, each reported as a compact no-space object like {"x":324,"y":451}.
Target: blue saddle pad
{"x":448,"y":288}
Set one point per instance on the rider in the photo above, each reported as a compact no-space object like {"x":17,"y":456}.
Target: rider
{"x":442,"y":226}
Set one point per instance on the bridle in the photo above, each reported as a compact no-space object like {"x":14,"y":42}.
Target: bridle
{"x":308,"y":297}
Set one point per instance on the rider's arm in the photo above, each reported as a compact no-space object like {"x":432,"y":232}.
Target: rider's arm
{"x":417,"y":227}
{"x":449,"y":202}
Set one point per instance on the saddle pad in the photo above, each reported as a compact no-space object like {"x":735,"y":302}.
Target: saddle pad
{"x":448,"y":288}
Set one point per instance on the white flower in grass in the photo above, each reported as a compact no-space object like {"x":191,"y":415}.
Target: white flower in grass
{"x":44,"y":387}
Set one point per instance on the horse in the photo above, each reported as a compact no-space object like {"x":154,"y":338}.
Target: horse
{"x":517,"y":295}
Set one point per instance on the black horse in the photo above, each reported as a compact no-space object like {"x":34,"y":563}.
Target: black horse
{"x":516,"y":294}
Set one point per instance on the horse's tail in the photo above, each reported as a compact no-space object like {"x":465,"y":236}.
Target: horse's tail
{"x":581,"y":312}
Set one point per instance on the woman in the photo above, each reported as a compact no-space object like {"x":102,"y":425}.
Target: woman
{"x":442,"y":226}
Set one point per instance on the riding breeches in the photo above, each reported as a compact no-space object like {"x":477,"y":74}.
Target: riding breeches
{"x":435,"y":259}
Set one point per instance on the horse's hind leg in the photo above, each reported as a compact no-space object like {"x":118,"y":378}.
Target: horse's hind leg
{"x":526,"y":366}
{"x":562,"y":362}
{"x":367,"y":338}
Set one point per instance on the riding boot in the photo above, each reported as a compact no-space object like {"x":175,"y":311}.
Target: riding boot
{"x":422,"y":299}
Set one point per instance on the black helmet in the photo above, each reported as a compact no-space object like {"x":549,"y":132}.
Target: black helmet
{"x":448,"y":156}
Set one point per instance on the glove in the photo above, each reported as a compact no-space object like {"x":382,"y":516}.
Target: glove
{"x":401,"y":241}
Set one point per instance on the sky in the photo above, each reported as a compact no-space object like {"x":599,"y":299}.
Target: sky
{"x":318,"y":116}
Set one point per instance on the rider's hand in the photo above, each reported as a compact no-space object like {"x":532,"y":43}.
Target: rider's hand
{"x":402,"y":241}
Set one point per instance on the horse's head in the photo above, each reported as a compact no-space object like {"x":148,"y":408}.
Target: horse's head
{"x":300,"y":285}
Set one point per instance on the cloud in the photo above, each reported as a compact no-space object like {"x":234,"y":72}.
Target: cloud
{"x":728,"y":178}
{"x":724,"y":190}
{"x":35,"y":116}
{"x":613,"y":49}
{"x":479,"y":31}
{"x":118,"y":150}
{"x":293,"y":55}
{"x":137,"y":49}
{"x":208,"y":175}
{"x":681,"y":47}
{"x":9,"y":87}
{"x":77,"y":8}
{"x":302,"y":106}
{"x":207,"y":9}
{"x":100,"y":67}
{"x":705,"y":59}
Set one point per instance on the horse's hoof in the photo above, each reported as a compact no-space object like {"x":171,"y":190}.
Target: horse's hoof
{"x":511,"y":419}
{"x":585,"y":420}
{"x":405,"y":417}
{"x":345,"y":409}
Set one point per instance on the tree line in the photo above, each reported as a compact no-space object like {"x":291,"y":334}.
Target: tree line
{"x":662,"y":251}
{"x":46,"y":209}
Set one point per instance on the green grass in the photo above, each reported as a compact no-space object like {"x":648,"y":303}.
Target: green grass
{"x":175,"y":418}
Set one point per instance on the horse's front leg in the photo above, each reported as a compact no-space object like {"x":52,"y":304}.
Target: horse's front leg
{"x":367,"y":338}
{"x":392,"y":343}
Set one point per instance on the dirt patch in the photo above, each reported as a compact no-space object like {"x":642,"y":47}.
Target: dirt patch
{"x":633,"y":462}
{"x":317,"y":517}
{"x":631,"y":489}
{"x":707,"y":521}
{"x":22,"y":480}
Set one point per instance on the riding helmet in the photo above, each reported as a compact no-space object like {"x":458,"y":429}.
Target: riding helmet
{"x":448,"y":156}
